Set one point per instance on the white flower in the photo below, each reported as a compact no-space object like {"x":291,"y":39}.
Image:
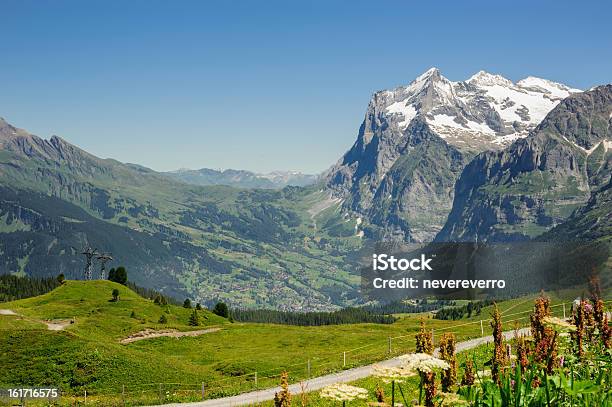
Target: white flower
{"x":423,"y":362}
{"x":393,"y":373}
{"x":343,"y":392}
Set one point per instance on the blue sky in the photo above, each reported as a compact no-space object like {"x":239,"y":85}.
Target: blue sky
{"x":264,"y":85}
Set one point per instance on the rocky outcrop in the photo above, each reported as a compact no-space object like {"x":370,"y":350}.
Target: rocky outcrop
{"x":537,"y":182}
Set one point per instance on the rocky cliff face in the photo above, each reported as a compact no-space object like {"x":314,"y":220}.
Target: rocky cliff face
{"x":537,"y":182}
{"x":415,"y":140}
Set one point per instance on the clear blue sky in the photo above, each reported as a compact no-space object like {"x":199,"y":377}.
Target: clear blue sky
{"x":264,"y":85}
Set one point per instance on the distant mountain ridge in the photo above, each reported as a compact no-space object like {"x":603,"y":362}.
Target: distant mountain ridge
{"x":415,"y":140}
{"x":183,"y":239}
{"x":243,"y":179}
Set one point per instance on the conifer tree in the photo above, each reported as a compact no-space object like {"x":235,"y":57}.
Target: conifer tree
{"x":194,"y":318}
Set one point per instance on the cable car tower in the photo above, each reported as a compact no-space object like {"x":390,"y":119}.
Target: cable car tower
{"x":103,"y":258}
{"x":89,"y":254}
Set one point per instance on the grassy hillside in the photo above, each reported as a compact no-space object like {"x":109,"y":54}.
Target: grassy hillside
{"x":87,"y":354}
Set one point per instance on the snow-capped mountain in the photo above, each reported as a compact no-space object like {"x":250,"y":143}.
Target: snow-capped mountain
{"x":486,"y":111}
{"x":416,"y":139}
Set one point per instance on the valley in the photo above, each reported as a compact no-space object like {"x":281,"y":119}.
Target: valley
{"x":539,"y":157}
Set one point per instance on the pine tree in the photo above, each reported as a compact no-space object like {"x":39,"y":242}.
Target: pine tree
{"x":187,"y":303}
{"x":163,"y":319}
{"x":221,"y":309}
{"x":121,"y":275}
{"x":194,"y":319}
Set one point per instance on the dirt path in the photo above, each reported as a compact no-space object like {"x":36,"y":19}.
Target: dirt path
{"x":56,"y":325}
{"x":173,"y":333}
{"x":7,"y":312}
{"x":318,"y":383}
{"x":52,"y":325}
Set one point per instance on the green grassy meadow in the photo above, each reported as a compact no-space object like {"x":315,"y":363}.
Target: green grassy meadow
{"x":87,"y":355}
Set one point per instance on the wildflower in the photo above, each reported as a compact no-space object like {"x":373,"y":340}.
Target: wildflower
{"x":424,"y":341}
{"x":468,"y":374}
{"x":544,"y":336}
{"x":536,"y":382}
{"x":426,"y":365}
{"x":392,"y":373}
{"x":430,"y":387}
{"x":423,"y":362}
{"x":283,"y":399}
{"x":380,"y":394}
{"x":447,"y":353}
{"x":581,"y":322}
{"x":499,"y":356}
{"x":343,"y":392}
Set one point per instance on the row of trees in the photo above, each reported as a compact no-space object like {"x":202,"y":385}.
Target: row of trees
{"x":118,"y":275}
{"x":459,"y":312}
{"x":409,"y":307}
{"x":14,"y":288}
{"x":343,"y":316}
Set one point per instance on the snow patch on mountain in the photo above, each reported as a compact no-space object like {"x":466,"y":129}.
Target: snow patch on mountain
{"x":407,"y":112}
{"x":485,"y":111}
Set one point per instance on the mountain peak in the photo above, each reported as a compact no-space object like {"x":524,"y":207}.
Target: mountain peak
{"x":555,"y":89}
{"x":486,"y":78}
{"x":431,"y":72}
